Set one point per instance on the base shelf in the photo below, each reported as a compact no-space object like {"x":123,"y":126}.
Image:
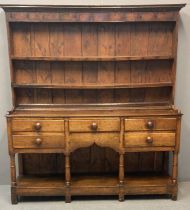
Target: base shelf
{"x":147,"y":180}
{"x":41,"y":181}
{"x":130,"y":180}
{"x":141,"y":185}
{"x":94,"y":181}
{"x":40,"y":185}
{"x":94,"y":185}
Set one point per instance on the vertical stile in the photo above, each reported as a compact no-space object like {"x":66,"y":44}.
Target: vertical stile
{"x":175,"y":158}
{"x":175,"y":153}
{"x":178,"y":133}
{"x":121,"y":162}
{"x":10,"y":51}
{"x":67,"y":163}
{"x":12,"y":163}
{"x":12,"y":155}
{"x":174,"y":53}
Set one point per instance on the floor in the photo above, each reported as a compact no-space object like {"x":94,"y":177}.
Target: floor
{"x":131,"y":203}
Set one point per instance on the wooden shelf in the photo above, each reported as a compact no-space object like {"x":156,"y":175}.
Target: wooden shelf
{"x":155,"y":184}
{"x":147,"y":180}
{"x":98,"y":106}
{"x":79,"y":110}
{"x":41,"y":181}
{"x":55,"y":185}
{"x":108,"y":185}
{"x":93,"y":86}
{"x":90,"y":58}
{"x":130,"y":180}
{"x":41,"y":185}
{"x":94,"y":181}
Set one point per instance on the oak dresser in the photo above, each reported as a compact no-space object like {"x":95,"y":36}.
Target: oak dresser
{"x":93,"y":92}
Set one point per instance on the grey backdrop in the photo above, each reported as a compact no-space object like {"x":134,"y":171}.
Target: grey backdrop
{"x":182,"y":90}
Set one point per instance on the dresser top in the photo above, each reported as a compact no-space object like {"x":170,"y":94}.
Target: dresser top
{"x":156,"y":7}
{"x":94,"y":111}
{"x":48,"y":38}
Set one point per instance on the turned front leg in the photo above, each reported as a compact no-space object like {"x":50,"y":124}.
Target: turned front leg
{"x":14,"y":198}
{"x":121,"y":177}
{"x":174,"y":174}
{"x":68,"y":179}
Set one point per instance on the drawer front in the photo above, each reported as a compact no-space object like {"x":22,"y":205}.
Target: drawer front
{"x":38,"y":125}
{"x":106,"y":139}
{"x":94,"y":125}
{"x":38,"y":141}
{"x":142,"y":124}
{"x":143,"y":139}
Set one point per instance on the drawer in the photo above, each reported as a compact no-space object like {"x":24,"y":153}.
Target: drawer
{"x":35,"y":124}
{"x":106,"y":139}
{"x":94,"y":124}
{"x":144,"y":139}
{"x":38,"y":141}
{"x":139,"y":124}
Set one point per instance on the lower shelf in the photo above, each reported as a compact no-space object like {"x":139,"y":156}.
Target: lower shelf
{"x":40,"y":185}
{"x":136,"y":185}
{"x":94,"y":181}
{"x":93,"y":185}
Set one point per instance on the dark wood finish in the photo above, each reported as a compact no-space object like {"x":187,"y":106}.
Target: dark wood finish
{"x":93,"y":92}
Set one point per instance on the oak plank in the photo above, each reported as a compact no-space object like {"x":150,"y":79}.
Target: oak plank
{"x":21,"y":37}
{"x":160,"y":39}
{"x":24,"y":72}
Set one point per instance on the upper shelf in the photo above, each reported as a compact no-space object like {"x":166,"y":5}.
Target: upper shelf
{"x":90,"y":58}
{"x":93,"y":86}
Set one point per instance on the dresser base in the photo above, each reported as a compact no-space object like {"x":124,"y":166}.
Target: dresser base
{"x":67,"y":157}
{"x":93,"y":186}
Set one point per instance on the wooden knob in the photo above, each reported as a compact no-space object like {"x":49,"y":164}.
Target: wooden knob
{"x":94,"y":126}
{"x":150,"y":124}
{"x":38,"y":141}
{"x":149,"y":140}
{"x":38,"y":126}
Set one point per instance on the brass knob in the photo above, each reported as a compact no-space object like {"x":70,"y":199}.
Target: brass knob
{"x":38,"y":141}
{"x":150,"y":124}
{"x":94,"y":126}
{"x":38,"y":126}
{"x":149,"y":140}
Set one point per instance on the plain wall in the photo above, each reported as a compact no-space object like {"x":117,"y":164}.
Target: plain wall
{"x":182,"y":88}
